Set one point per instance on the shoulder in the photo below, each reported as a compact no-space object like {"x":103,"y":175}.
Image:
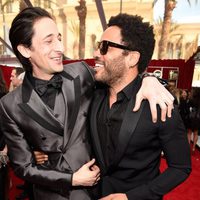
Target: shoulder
{"x":79,"y":69}
{"x":12,"y":98}
{"x":82,"y":72}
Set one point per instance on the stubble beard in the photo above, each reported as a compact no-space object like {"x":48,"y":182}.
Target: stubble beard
{"x":113,"y":71}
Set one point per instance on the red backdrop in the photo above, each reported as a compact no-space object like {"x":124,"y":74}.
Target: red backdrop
{"x":185,"y":70}
{"x":6,"y":73}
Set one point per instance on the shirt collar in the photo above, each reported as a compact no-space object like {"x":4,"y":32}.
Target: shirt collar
{"x":128,"y":90}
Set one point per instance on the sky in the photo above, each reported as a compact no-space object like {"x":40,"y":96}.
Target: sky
{"x":183,"y":13}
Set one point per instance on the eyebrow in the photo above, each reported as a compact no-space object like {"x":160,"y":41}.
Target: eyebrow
{"x":59,"y":35}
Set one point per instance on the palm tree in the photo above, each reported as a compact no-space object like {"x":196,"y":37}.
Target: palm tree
{"x":169,"y":7}
{"x":74,"y":28}
{"x":158,"y":24}
{"x":22,"y":4}
{"x":82,"y":12}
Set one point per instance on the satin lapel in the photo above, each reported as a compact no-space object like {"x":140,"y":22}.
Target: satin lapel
{"x":72,"y":96}
{"x":127,"y":129}
{"x":34,"y":107}
{"x":93,"y":125}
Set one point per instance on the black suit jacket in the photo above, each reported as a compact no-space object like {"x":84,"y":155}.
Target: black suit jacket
{"x":137,"y":158}
{"x":28,"y":125}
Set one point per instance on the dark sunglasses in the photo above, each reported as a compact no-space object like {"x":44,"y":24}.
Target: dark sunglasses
{"x":103,"y":46}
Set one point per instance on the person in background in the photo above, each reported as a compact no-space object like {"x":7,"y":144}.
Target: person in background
{"x":128,"y":145}
{"x":16,"y":78}
{"x":184,"y":108}
{"x":194,"y":117}
{"x":175,"y":92}
{"x":51,"y":115}
{"x":3,"y":87}
{"x":4,"y":180}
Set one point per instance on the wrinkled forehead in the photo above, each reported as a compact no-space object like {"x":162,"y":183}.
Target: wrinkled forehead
{"x":44,"y":27}
{"x":113,"y":34}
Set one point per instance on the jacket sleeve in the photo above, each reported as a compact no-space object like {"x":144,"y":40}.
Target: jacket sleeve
{"x":172,"y":135}
{"x":2,"y":142}
{"x":22,"y":159}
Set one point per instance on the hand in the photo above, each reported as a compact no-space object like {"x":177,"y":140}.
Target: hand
{"x":155,"y":93}
{"x":40,"y":157}
{"x":116,"y":196}
{"x":87,"y":175}
{"x":5,"y":150}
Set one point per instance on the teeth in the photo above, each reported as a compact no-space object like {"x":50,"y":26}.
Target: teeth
{"x":98,"y":65}
{"x":57,"y":58}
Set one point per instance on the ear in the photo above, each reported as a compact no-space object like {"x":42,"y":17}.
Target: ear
{"x":133,"y":58}
{"x":25,"y":51}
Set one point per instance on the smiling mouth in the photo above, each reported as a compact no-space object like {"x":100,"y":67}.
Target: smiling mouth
{"x":57,"y":59}
{"x":97,"y":65}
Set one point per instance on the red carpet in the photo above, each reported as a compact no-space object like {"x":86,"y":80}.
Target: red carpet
{"x":189,"y":190}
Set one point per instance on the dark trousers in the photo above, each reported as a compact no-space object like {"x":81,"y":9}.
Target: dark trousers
{"x":4,"y":183}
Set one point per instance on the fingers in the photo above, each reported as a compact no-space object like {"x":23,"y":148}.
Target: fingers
{"x":169,"y":110}
{"x":90,"y":163}
{"x":40,"y":157}
{"x":168,"y":100}
{"x":138,"y":101}
{"x":153,"y":111}
{"x":94,"y":168}
{"x":96,"y":171}
{"x":163,"y":107}
{"x":97,"y":180}
{"x":170,"y":106}
{"x":87,"y":175}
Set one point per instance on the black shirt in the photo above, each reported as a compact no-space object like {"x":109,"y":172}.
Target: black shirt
{"x":46,"y":90}
{"x":109,"y":120}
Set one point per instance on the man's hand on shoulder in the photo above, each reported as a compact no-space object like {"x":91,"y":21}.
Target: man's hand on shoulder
{"x":155,"y":93}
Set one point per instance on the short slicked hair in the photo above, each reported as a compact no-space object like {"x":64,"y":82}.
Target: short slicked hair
{"x":21,"y":31}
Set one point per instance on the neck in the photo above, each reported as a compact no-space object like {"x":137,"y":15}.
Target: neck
{"x":114,"y":89}
{"x":42,"y":76}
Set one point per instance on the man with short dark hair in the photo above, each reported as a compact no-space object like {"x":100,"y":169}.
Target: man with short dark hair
{"x":128,"y":145}
{"x":16,"y":77}
{"x":48,"y":112}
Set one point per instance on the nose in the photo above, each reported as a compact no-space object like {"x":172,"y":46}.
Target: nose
{"x":59,"y":46}
{"x":96,"y":53}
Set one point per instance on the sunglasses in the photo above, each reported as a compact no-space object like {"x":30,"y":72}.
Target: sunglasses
{"x":103,"y":46}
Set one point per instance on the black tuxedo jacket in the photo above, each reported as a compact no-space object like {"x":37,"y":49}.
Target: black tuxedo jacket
{"x":28,"y":125}
{"x":135,"y":168}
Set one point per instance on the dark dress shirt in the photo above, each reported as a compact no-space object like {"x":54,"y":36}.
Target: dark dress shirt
{"x":110,"y":120}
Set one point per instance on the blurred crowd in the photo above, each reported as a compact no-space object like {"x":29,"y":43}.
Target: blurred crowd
{"x":16,"y":79}
{"x":188,"y":103}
